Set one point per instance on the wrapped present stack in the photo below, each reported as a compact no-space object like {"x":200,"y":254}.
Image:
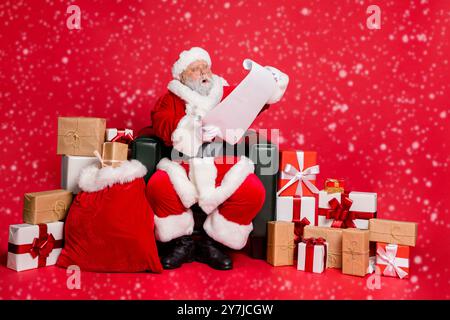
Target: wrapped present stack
{"x":333,"y":227}
{"x":296,"y":196}
{"x":81,"y":141}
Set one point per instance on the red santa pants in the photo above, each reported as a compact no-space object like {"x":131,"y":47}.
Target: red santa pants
{"x":226,"y":189}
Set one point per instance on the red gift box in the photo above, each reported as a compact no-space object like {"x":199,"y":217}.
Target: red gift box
{"x":119,"y":135}
{"x":298,"y":173}
{"x":393,"y":260}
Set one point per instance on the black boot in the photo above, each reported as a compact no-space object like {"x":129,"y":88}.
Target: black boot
{"x":211,"y":252}
{"x":179,"y":251}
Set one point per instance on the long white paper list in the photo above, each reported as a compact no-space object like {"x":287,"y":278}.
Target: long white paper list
{"x":236,"y":113}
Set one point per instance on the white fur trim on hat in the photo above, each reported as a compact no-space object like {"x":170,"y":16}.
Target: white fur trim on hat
{"x":184,"y":188}
{"x":228,"y":233}
{"x":187,"y":57}
{"x":209,"y":196}
{"x":174,"y":226}
{"x":94,"y":179}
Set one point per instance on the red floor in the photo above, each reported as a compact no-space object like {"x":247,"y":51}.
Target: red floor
{"x":250,"y":279}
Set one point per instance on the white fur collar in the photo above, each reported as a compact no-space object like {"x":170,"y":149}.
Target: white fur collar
{"x":94,"y":179}
{"x":196,"y":104}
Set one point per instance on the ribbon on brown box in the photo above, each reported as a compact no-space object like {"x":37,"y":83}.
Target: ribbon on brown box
{"x":41,"y":247}
{"x":352,"y":250}
{"x":341,"y":214}
{"x":309,"y":253}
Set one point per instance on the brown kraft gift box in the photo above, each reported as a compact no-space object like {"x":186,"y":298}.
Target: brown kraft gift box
{"x":394,"y":232}
{"x":280,"y":243}
{"x":114,"y":153}
{"x":355,"y":252}
{"x":333,"y":236}
{"x":46,"y":206}
{"x":80,"y":136}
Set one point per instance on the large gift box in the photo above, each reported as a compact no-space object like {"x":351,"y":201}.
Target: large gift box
{"x":333,"y":236}
{"x":280,"y":243}
{"x":46,"y":206}
{"x":80,"y":136}
{"x":113,"y":154}
{"x":71,"y":167}
{"x":393,"y":260}
{"x":119,"y":135}
{"x":346,"y":210}
{"x":390,"y":231}
{"x":355,"y":252}
{"x":296,"y":209}
{"x":298,"y":170}
{"x":34,"y":246}
{"x":312,"y":255}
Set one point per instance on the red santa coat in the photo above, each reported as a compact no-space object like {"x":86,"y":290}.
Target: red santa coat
{"x":176,"y":120}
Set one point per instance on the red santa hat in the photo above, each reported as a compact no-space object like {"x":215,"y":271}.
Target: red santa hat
{"x":187,"y":57}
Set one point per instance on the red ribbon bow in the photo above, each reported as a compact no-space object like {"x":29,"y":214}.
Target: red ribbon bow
{"x":309,"y":254}
{"x":123,"y":136}
{"x":42,"y":247}
{"x":299,"y":228}
{"x":340,"y":212}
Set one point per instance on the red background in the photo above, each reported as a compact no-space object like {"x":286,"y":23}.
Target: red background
{"x":373,"y":103}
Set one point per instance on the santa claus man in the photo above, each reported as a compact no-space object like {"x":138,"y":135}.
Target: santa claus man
{"x":227,"y":190}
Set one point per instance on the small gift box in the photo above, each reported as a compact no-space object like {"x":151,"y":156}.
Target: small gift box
{"x":71,"y":167}
{"x":393,"y":260}
{"x":119,"y":135}
{"x":390,"y":231}
{"x":355,"y":252}
{"x":80,"y":136}
{"x":46,"y":206}
{"x":333,"y":237}
{"x":346,"y":210}
{"x":296,"y":208}
{"x":280,"y":243}
{"x":334,"y":185}
{"x":312,"y":255}
{"x":34,"y":246}
{"x":113,"y":154}
{"x":298,"y":173}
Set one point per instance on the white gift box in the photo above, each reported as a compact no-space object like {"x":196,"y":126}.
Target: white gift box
{"x":111,"y":133}
{"x":364,"y":202}
{"x":71,"y":167}
{"x":21,"y":242}
{"x":319,"y":258}
{"x":287,"y":205}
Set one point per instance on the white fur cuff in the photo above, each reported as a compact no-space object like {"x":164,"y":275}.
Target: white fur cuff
{"x":232,"y":180}
{"x":230,"y":234}
{"x":174,"y":226}
{"x":184,"y":188}
{"x":94,"y":179}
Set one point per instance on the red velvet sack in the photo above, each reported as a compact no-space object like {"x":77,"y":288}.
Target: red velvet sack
{"x":109,"y":227}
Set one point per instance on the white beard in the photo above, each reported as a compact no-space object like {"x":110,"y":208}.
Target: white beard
{"x":200,"y":86}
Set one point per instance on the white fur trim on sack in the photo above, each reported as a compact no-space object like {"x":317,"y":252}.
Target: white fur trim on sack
{"x":184,"y":188}
{"x":94,"y":179}
{"x":174,"y":226}
{"x":187,"y":57}
{"x":230,"y":234}
{"x":211,"y":198}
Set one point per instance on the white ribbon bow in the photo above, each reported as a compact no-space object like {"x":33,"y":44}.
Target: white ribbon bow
{"x":302,"y":176}
{"x":393,"y":263}
{"x":102,"y":161}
